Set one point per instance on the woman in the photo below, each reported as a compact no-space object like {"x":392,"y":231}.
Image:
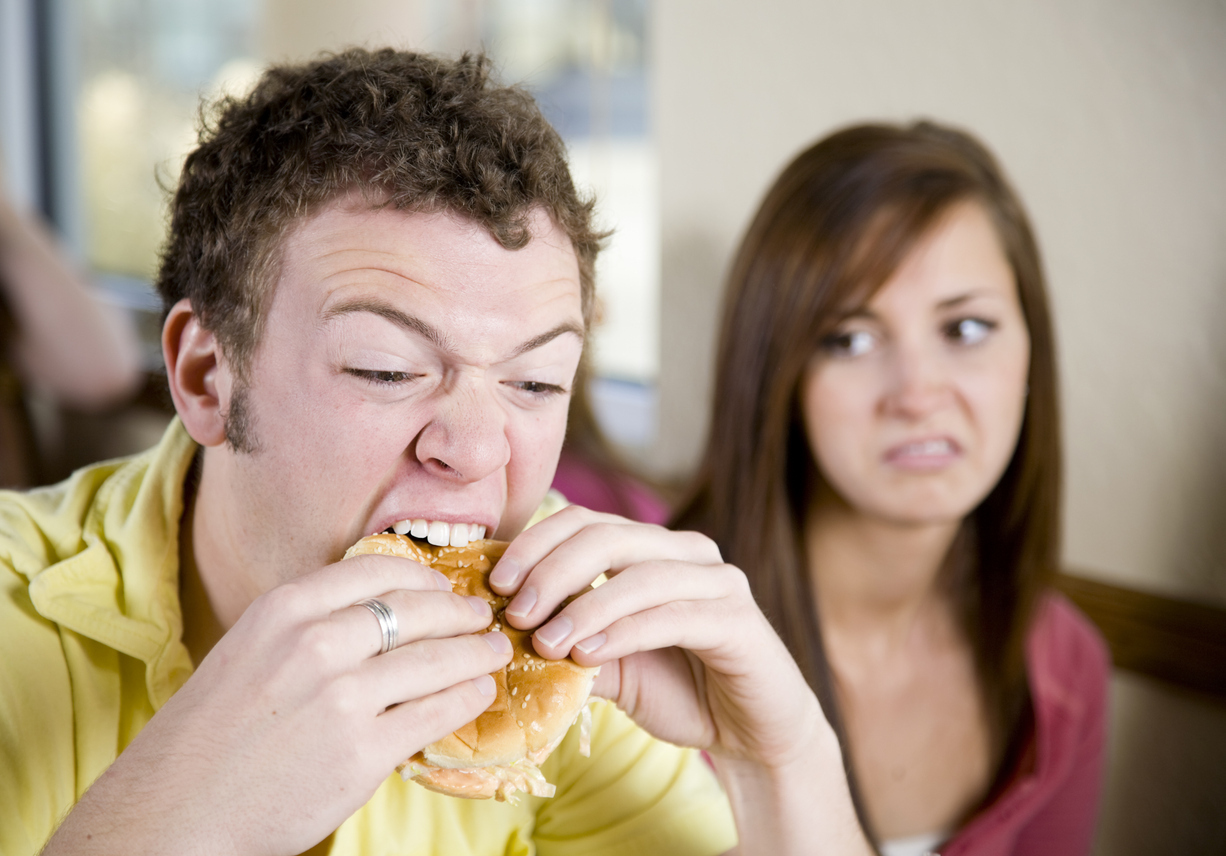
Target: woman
{"x":884,"y":463}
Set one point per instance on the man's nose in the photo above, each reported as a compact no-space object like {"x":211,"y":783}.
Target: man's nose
{"x":466,"y":436}
{"x":919,"y":381}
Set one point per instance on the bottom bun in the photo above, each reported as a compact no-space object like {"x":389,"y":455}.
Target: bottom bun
{"x":500,"y":752}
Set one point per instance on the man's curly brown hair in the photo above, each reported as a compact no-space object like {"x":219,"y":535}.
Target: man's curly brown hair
{"x":411,"y":131}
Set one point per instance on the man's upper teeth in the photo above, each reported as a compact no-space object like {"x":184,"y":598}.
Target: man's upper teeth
{"x":438,"y":533}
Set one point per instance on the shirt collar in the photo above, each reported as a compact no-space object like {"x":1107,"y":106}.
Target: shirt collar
{"x":122,"y":588}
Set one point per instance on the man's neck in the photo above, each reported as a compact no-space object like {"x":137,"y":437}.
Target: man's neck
{"x":210,"y":601}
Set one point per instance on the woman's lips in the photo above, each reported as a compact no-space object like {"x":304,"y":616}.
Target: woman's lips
{"x":929,"y":453}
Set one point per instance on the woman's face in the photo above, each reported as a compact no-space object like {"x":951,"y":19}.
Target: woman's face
{"x":912,"y":406}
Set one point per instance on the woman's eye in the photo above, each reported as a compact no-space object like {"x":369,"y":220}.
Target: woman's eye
{"x":969,"y":331}
{"x":851,"y":343}
{"x":381,"y":378}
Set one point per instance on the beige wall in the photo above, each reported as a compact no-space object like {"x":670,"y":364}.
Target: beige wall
{"x":1111,"y":118}
{"x":297,"y":29}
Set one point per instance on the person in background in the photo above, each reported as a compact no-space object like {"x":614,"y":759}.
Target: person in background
{"x":56,"y":337}
{"x":884,"y":463}
{"x":592,"y":473}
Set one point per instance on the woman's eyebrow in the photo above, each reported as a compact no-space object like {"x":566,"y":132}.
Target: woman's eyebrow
{"x":858,"y":313}
{"x":959,"y":299}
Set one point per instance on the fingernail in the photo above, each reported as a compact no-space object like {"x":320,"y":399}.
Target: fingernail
{"x":522,"y":603}
{"x":555,"y":631}
{"x":589,"y":645}
{"x":442,"y":582}
{"x":479,"y":605}
{"x":485,"y":685}
{"x":499,"y":643}
{"x":505,"y":573}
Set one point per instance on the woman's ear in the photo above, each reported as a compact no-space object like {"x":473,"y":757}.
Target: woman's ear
{"x":197,"y":374}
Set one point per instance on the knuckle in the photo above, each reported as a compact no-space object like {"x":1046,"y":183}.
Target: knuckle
{"x":702,"y":546}
{"x":599,"y":539}
{"x":291,"y":599}
{"x":431,"y":717}
{"x":466,"y":615}
{"x":735,"y":581}
{"x":484,"y":658}
{"x":638,"y":631}
{"x":317,"y":641}
{"x":674,"y":612}
{"x":447,"y":710}
{"x":342,"y":698}
{"x":577,"y":512}
{"x":388,"y":570}
{"x":452,"y":615}
{"x":401,"y":571}
{"x":424,"y":655}
{"x":604,"y":529}
{"x":588,"y":610}
{"x":410,"y":618}
{"x":454,"y":659}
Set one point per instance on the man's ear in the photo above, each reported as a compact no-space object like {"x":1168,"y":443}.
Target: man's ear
{"x":200,"y":381}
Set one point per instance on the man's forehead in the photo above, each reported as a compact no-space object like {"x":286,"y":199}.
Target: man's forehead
{"x":441,"y":239}
{"x":436,"y":267}
{"x":369,"y":206}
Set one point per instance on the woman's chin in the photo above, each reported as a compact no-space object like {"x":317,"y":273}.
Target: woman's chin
{"x":923,"y":513}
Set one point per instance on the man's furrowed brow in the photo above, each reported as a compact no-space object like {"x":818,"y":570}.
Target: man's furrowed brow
{"x":401,"y":319}
{"x":545,"y":338}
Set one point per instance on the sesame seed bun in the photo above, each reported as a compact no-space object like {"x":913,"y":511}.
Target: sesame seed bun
{"x":500,"y":752}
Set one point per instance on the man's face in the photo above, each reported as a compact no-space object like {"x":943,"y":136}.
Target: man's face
{"x":410,"y":369}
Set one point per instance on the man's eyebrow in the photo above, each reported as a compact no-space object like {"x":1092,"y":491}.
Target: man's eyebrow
{"x":547,"y":337}
{"x":391,"y":313}
{"x":433,"y":335}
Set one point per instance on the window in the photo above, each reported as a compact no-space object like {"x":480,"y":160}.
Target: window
{"x":120,"y":83}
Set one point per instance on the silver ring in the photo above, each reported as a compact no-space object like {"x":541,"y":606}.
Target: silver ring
{"x":387,"y":622}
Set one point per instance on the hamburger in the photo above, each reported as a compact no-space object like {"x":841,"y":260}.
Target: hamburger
{"x":537,"y":700}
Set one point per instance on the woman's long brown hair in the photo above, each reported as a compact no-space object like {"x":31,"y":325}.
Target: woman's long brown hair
{"x":832,"y":229}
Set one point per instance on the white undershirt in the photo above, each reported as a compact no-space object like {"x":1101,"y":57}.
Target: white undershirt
{"x":912,"y":845}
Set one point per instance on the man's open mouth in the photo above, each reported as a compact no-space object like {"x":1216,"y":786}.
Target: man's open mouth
{"x":438,"y":533}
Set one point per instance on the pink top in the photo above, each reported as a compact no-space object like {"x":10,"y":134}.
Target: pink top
{"x":1051,"y":804}
{"x":616,"y":493}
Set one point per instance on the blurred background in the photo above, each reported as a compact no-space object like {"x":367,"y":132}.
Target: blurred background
{"x":1110,"y":117}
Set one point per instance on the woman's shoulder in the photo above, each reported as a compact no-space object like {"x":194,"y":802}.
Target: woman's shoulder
{"x":1059,"y":621}
{"x":1065,"y":652}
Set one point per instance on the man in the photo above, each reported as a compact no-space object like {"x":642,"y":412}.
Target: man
{"x":378,"y":283}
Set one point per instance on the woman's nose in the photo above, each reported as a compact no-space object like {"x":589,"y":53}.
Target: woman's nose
{"x":466,"y":438}
{"x":919,"y":382}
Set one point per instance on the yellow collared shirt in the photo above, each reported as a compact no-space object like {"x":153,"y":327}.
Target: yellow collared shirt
{"x":90,"y":649}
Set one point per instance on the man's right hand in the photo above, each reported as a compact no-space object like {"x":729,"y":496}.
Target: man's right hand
{"x":294,"y":719}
